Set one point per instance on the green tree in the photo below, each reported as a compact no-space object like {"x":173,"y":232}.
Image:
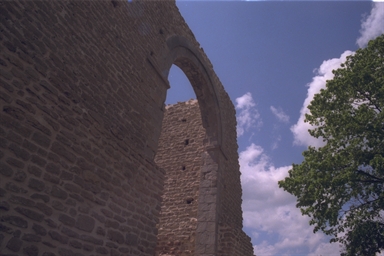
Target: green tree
{"x":340,"y":186}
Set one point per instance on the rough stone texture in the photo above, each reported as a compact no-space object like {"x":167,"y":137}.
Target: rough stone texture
{"x":180,"y":147}
{"x":183,"y":220}
{"x":82,"y":91}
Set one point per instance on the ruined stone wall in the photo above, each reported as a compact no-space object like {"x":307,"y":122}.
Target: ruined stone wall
{"x":180,"y":151}
{"x":82,"y":91}
{"x":179,"y":155}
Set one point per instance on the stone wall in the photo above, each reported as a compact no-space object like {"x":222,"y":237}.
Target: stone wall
{"x":180,"y":152}
{"x":82,"y":91}
{"x":181,"y":145}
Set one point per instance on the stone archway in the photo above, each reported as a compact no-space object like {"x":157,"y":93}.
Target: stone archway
{"x":187,"y":59}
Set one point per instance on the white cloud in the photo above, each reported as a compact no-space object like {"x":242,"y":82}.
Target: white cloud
{"x":324,"y":73}
{"x":372,"y":26}
{"x":267,"y":208}
{"x":279,"y":113}
{"x":247,"y":116}
{"x":327,"y":249}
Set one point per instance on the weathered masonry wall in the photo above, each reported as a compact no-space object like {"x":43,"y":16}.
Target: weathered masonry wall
{"x":82,"y":91}
{"x":179,"y":155}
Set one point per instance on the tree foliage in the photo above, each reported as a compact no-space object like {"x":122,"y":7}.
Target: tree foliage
{"x":340,"y":186}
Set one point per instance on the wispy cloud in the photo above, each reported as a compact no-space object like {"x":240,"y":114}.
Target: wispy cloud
{"x":373,"y":25}
{"x":247,"y":115}
{"x":279,"y":114}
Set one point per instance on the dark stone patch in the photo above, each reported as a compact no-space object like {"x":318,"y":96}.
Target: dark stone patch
{"x":5,"y":169}
{"x":19,"y":152}
{"x":1,"y":239}
{"x":49,"y":254}
{"x":116,"y":236}
{"x":20,"y":176}
{"x":30,"y":214}
{"x":40,"y":230}
{"x":115,"y":253}
{"x":14,"y":137}
{"x":31,"y":238}
{"x":34,"y":170}
{"x":100,"y":231}
{"x":107,"y":213}
{"x":119,"y":218}
{"x":101,"y":250}
{"x":14,"y":162}
{"x":83,"y":209}
{"x":66,"y":252}
{"x":111,"y":245}
{"x":88,"y":247}
{"x":45,"y":198}
{"x":77,"y":197}
{"x":100,"y":202}
{"x":2,"y":192}
{"x":36,"y":184}
{"x":22,"y":201}
{"x":98,"y":217}
{"x":17,"y":233}
{"x":112,"y":224}
{"x":44,"y":208}
{"x":4,"y":206}
{"x":5,"y":229}
{"x":51,"y":223}
{"x":131,"y":239}
{"x":29,"y":146}
{"x":70,"y":202}
{"x":91,"y":239}
{"x":66,"y":220}
{"x":31,"y":250}
{"x":72,"y":212}
{"x":53,"y":168}
{"x":41,"y":139}
{"x":69,"y":232}
{"x":14,"y":244}
{"x":72,"y":188}
{"x":58,"y":237}
{"x":85,"y":223}
{"x":15,"y":221}
{"x":62,"y":151}
{"x":49,"y":244}
{"x":66,"y":175}
{"x":75,"y":244}
{"x":38,"y":161}
{"x":59,"y":193}
{"x":10,"y":186}
{"x":51,"y":178}
{"x":59,"y":206}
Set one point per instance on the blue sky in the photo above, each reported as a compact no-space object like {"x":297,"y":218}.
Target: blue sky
{"x":271,"y":58}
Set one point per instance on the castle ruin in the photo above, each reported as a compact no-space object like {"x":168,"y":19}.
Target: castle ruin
{"x":88,"y":148}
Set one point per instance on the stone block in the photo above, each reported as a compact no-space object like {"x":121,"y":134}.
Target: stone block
{"x":14,"y":244}
{"x":85,"y":223}
{"x":15,"y":221}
